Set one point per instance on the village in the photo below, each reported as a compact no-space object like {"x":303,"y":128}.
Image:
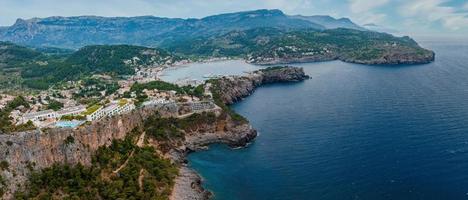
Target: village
{"x":72,"y":113}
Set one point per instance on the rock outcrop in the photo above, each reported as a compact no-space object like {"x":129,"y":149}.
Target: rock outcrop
{"x":234,"y":88}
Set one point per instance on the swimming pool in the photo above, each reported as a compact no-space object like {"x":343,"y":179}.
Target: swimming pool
{"x":69,"y":124}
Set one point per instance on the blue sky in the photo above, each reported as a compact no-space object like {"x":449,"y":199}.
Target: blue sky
{"x":405,"y":16}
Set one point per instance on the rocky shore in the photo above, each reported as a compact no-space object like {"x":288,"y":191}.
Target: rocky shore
{"x":35,"y":150}
{"x":234,"y":88}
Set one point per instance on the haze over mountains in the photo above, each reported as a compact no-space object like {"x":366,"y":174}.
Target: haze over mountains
{"x":76,"y":32}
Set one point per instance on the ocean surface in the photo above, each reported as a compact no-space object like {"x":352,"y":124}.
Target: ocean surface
{"x":352,"y":132}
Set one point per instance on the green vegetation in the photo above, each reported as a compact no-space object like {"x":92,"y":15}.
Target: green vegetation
{"x":216,"y":91}
{"x":263,"y":44}
{"x":159,"y":85}
{"x":138,"y":88}
{"x":73,"y":117}
{"x":69,"y":140}
{"x":6,"y":126}
{"x":168,"y":131}
{"x":111,"y":58}
{"x":144,"y":176}
{"x":2,"y":185}
{"x":13,"y":56}
{"x":91,"y":109}
{"x":4,"y":165}
{"x":46,"y":67}
{"x":54,"y":105}
{"x":195,"y":91}
{"x":96,"y":88}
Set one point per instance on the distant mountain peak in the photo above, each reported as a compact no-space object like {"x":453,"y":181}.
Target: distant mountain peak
{"x":344,"y":19}
{"x":330,"y":22}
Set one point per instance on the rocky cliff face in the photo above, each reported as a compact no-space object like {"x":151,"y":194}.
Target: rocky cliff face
{"x":26,"y":151}
{"x":235,"y":88}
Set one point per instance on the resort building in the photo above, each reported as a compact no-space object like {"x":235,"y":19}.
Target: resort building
{"x":156,"y":102}
{"x":119,"y":107}
{"x":94,"y":113}
{"x":41,"y":115}
{"x":75,"y":110}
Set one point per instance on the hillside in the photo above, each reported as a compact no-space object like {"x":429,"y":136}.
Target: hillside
{"x":11,"y":54}
{"x":77,"y":32}
{"x":13,"y":59}
{"x":273,"y":46}
{"x":39,"y":70}
{"x":120,"y":59}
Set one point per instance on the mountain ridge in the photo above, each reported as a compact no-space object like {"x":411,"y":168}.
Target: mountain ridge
{"x":78,"y":31}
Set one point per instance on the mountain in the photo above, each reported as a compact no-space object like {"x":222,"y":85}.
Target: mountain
{"x":274,"y":46}
{"x":76,"y":32}
{"x":330,"y":22}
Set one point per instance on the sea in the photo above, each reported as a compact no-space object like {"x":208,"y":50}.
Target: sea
{"x":350,"y":132}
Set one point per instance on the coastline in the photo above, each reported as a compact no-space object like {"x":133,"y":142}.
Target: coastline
{"x":45,"y":148}
{"x":188,"y":185}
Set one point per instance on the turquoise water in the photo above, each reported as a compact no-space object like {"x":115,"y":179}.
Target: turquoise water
{"x":68,"y":124}
{"x":353,"y":132}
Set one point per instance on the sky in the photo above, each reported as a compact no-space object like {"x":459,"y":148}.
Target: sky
{"x":423,"y":17}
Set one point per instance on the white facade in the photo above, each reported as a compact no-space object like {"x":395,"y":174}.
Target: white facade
{"x":156,"y":102}
{"x":41,"y":115}
{"x":71,"y":111}
{"x":116,"y":109}
{"x":98,"y":114}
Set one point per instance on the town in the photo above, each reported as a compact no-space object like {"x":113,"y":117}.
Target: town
{"x":99,"y":96}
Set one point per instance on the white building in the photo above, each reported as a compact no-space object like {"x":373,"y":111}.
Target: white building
{"x":156,"y":102}
{"x":41,"y":115}
{"x":75,"y":110}
{"x":111,"y":110}
{"x":119,"y":107}
{"x":95,"y":115}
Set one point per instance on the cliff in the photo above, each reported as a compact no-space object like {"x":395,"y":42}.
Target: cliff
{"x":33,"y":150}
{"x":233,"y":88}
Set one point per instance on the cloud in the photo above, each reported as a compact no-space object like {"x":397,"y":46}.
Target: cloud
{"x":370,"y":17}
{"x":432,"y":11}
{"x":465,"y":6}
{"x":357,"y":6}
